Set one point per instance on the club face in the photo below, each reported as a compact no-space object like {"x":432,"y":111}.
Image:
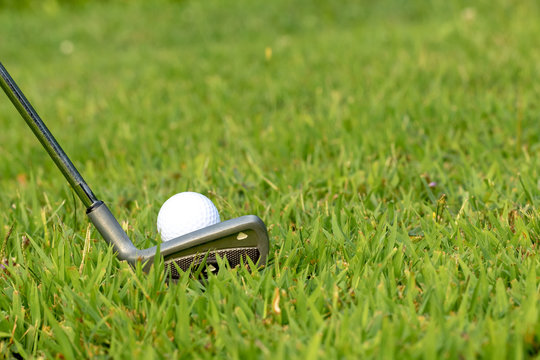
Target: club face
{"x":233,"y":240}
{"x":205,"y":262}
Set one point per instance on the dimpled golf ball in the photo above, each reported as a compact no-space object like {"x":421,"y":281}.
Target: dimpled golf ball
{"x":184,"y":213}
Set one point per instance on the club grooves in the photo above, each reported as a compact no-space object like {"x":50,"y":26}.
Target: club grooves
{"x":234,"y":257}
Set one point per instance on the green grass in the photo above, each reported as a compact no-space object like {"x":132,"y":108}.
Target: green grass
{"x":391,"y":147}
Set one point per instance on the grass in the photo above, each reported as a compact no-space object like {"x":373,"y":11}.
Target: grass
{"x":391,"y":147}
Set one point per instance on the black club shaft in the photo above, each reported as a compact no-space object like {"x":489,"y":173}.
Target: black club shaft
{"x":46,"y":138}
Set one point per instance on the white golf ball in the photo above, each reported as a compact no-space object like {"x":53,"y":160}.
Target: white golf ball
{"x":184,"y":213}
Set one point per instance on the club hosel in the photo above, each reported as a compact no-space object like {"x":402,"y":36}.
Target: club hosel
{"x":110,"y":229}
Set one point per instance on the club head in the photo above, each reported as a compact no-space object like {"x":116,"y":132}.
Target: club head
{"x":235,"y":240}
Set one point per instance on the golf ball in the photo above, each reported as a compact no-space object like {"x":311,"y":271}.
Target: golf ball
{"x":185,"y":212}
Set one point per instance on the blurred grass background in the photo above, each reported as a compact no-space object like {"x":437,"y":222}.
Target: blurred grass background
{"x":391,"y":147}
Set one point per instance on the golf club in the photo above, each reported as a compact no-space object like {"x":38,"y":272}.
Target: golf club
{"x":235,"y":240}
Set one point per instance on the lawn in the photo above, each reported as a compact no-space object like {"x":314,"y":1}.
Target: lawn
{"x":391,"y":147}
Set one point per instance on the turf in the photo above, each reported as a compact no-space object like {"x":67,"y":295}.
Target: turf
{"x":391,"y":147}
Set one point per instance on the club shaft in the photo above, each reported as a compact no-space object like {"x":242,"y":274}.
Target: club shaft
{"x":46,"y":138}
